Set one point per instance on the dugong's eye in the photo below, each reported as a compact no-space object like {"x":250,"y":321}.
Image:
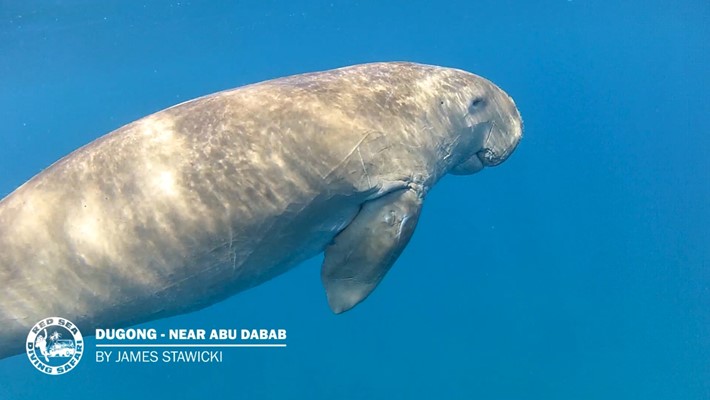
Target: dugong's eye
{"x":477,"y":103}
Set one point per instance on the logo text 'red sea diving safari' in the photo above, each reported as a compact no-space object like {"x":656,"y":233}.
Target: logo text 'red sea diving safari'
{"x":54,"y":345}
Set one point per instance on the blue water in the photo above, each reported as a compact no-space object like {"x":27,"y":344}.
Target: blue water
{"x":578,"y":269}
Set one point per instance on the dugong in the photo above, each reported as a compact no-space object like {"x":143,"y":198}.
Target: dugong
{"x":190,"y":205}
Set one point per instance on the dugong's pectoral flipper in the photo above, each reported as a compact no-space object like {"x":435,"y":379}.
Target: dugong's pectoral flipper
{"x":364,"y":251}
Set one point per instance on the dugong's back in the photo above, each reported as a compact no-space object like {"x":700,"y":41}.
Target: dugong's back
{"x":194,"y":203}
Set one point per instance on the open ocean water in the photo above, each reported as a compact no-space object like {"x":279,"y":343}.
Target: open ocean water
{"x":578,"y":269}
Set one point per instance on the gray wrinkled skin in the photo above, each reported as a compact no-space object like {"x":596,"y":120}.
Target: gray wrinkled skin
{"x":192,"y":204}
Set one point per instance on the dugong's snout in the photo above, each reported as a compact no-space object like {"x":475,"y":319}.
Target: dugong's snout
{"x":496,"y":129}
{"x":501,"y":141}
{"x":490,"y":129}
{"x":505,"y":130}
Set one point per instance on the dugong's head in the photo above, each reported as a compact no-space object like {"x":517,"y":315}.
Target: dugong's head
{"x":485,"y":126}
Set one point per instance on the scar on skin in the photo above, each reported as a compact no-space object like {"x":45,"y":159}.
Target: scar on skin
{"x":364,"y":169}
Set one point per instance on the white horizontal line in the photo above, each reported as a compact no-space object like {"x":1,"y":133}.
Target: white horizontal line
{"x":194,"y":345}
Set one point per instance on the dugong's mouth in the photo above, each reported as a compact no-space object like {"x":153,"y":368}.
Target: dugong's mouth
{"x":489,"y":158}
